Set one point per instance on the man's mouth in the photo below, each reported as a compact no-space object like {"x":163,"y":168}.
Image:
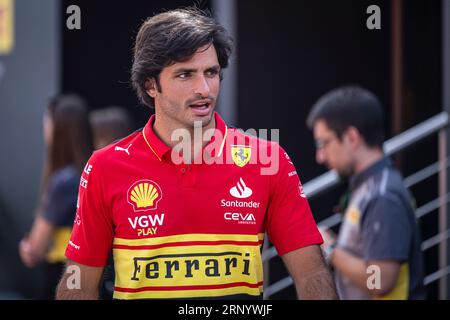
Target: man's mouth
{"x":201,"y":108}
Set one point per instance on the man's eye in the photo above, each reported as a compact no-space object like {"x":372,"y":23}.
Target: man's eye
{"x":212,"y":73}
{"x":184,"y":75}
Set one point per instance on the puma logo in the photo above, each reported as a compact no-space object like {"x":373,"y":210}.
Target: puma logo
{"x":123,"y":149}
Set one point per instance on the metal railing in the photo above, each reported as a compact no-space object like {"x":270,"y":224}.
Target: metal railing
{"x":398,"y":143}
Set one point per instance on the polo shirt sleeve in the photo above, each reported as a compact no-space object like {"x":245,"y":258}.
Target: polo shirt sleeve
{"x":92,"y":233}
{"x":386,"y":230}
{"x":290,"y":224}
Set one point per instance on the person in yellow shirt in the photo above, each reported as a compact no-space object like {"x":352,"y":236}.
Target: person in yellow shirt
{"x":68,"y":138}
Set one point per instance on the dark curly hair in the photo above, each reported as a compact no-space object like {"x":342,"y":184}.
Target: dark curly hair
{"x":174,"y":36}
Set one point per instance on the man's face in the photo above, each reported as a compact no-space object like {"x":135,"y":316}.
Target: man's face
{"x":189,"y":90}
{"x":332,"y":152}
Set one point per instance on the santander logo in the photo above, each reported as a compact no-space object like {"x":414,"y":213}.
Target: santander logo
{"x":241,"y":191}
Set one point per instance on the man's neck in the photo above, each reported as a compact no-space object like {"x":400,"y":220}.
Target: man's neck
{"x":368,"y":158}
{"x":165,"y":129}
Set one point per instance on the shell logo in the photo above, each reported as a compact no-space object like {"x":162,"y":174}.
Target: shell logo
{"x":144,"y":195}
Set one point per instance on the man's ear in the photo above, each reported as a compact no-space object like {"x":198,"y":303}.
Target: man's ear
{"x":353,"y":136}
{"x":150,"y":87}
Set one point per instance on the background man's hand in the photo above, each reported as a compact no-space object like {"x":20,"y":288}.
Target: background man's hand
{"x":329,"y":242}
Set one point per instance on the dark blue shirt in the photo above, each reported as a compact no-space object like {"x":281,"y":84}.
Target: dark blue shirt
{"x":379,"y":224}
{"x":60,"y":202}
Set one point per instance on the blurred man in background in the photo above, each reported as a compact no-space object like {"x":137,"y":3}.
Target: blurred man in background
{"x":109,"y":124}
{"x":377,"y":252}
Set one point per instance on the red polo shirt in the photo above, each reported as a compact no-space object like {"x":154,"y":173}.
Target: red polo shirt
{"x":189,"y":230}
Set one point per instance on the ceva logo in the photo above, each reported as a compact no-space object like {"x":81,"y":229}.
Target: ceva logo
{"x":241,"y":191}
{"x":247,"y":218}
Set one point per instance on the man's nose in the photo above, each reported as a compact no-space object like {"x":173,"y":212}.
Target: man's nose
{"x":320,"y":157}
{"x":202,"y":86}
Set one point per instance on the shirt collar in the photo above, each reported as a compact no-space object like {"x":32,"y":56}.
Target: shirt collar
{"x":159,"y":148}
{"x":357,"y":179}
